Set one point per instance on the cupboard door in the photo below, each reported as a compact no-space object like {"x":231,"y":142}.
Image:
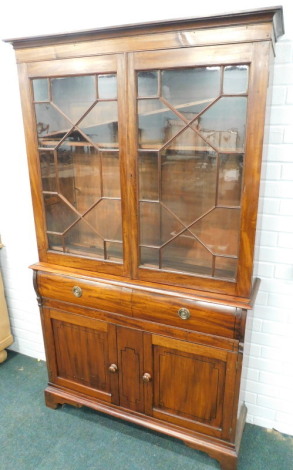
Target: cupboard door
{"x":192,"y":111}
{"x":76,"y":112}
{"x":193,"y":385}
{"x":82,"y":351}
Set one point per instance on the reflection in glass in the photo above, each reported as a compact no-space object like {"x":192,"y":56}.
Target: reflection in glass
{"x":74,"y":95}
{"x":157,"y":224}
{"x":156,"y":124}
{"x":225,"y":268}
{"x":82,"y":239}
{"x":107,"y":86}
{"x":147,"y":83}
{"x":219,"y":231}
{"x":235,"y":79}
{"x":41,"y":89}
{"x":59,"y":216}
{"x":149,"y":257}
{"x":187,"y":255}
{"x":101,"y":124}
{"x":223,"y":124}
{"x":148,"y":175}
{"x":190,"y":90}
{"x":230,"y":179}
{"x":189,"y":182}
{"x":79,"y":172}
{"x":51,"y":125}
{"x":111,"y":174}
{"x":114,"y":251}
{"x":48,"y":171}
{"x":105,"y":218}
{"x":149,"y":215}
{"x":55,"y":242}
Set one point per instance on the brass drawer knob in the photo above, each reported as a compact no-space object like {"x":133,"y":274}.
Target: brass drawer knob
{"x":77,"y":291}
{"x":184,"y":313}
{"x":113,"y":368}
{"x":146,"y":378}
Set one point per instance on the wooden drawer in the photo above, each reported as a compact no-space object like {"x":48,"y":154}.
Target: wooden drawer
{"x":210,"y":318}
{"x":95,"y":294}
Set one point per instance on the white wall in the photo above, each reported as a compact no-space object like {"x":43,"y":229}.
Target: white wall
{"x":268,"y":378}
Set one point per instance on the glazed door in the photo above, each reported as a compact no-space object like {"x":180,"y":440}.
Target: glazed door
{"x":76,"y":115}
{"x":191,"y":385}
{"x":81,"y":354}
{"x":192,"y":111}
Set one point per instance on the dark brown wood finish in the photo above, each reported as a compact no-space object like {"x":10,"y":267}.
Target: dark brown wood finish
{"x":157,"y":347}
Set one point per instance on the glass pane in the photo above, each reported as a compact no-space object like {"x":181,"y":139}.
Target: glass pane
{"x":51,"y":125}
{"x":157,"y":225}
{"x":55,"y":242}
{"x":149,"y":257}
{"x":187,"y":255}
{"x":48,"y":171}
{"x":190,"y":90}
{"x":230,"y":179}
{"x":223,"y":125}
{"x":156,"y":124}
{"x":219,"y":231}
{"x":225,"y":267}
{"x":83,"y":240}
{"x":235,"y":79}
{"x":101,"y":124}
{"x":111,"y":174}
{"x":79,"y":172}
{"x":149,"y":215}
{"x":114,"y":251}
{"x":105,"y":218}
{"x":41,"y":89}
{"x":74,"y":95}
{"x":189,"y":182}
{"x":59,"y":216}
{"x":107,"y":86}
{"x":147,"y":83}
{"x":148,"y":175}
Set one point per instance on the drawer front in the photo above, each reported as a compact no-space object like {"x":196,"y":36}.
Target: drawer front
{"x":95,"y":294}
{"x":185,"y":313}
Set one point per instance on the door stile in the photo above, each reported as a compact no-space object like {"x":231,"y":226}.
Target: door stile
{"x":132,"y":181}
{"x":33,"y":158}
{"x":124,"y":161}
{"x":256,"y":109}
{"x":148,"y":369}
